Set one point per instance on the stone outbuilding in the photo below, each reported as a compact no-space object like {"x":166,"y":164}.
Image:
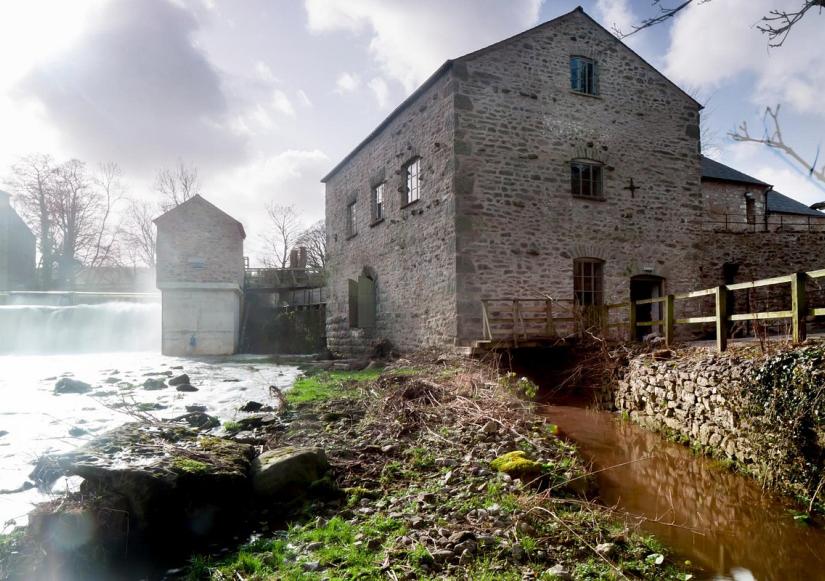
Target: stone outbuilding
{"x":200,"y":273}
{"x":17,"y":249}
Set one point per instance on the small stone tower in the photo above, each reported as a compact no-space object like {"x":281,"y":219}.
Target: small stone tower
{"x":200,"y":273}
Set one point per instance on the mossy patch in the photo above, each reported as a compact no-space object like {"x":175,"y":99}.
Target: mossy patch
{"x":517,"y":465}
{"x":329,"y":384}
{"x":189,"y":465}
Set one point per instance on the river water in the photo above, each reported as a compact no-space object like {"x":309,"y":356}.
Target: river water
{"x":114,"y":347}
{"x":721,"y":521}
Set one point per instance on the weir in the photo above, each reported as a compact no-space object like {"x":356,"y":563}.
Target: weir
{"x":81,"y":328}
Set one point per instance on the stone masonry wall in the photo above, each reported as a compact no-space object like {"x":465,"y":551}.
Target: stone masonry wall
{"x":411,"y":251}
{"x":519,"y":125}
{"x":723,"y":199}
{"x":697,"y":398}
{"x":198,"y":243}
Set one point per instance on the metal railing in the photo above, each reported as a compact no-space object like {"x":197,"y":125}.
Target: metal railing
{"x":774,"y":223}
{"x":283,"y":278}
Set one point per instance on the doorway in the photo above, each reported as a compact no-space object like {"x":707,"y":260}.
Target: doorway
{"x":647,"y":286}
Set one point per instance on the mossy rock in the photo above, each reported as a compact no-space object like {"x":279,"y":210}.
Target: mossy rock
{"x":517,"y":465}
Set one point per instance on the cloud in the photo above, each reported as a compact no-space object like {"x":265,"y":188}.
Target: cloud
{"x":616,"y":14}
{"x":136,"y":88}
{"x":303,"y":99}
{"x":409,"y":40}
{"x":282,"y":104}
{"x":347,"y":83}
{"x":290,"y":177}
{"x":713,"y":43}
{"x":379,"y":88}
{"x":264,"y":73}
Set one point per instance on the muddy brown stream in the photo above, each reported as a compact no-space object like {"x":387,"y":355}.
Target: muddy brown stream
{"x":721,"y":521}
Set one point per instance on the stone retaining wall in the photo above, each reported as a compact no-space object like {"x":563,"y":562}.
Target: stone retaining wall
{"x":698,"y":398}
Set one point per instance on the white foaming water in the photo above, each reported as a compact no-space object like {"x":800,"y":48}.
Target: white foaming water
{"x":104,"y":327}
{"x":34,"y":421}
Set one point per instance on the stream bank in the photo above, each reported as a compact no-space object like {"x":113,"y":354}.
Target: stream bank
{"x":446,"y":473}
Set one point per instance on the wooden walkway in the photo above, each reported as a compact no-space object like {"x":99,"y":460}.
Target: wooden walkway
{"x":528,"y":322}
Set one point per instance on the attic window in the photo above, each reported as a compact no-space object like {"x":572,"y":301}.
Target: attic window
{"x":583,"y":75}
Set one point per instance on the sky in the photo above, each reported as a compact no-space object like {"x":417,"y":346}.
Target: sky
{"x":264,"y":97}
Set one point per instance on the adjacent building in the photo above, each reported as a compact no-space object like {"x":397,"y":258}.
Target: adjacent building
{"x":17,"y":249}
{"x":200,"y":273}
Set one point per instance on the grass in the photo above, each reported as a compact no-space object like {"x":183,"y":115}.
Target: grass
{"x":232,"y":426}
{"x":328,"y":385}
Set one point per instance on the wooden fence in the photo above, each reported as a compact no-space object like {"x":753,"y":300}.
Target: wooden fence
{"x":527,"y":320}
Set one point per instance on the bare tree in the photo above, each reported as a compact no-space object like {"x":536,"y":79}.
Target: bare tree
{"x":314,"y":239}
{"x":286,"y":227}
{"x":772,"y":137}
{"x":139,"y":234}
{"x":33,"y":180}
{"x":110,"y":192}
{"x":177,"y":185}
{"x":777,"y":24}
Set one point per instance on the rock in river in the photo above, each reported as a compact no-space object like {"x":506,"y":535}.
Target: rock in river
{"x":69,"y":385}
{"x":179,"y":380}
{"x":169,"y":482}
{"x":186,"y":387}
{"x":153,"y":384}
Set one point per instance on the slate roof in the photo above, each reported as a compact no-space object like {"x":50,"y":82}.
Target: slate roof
{"x":782,"y":204}
{"x":713,"y":170}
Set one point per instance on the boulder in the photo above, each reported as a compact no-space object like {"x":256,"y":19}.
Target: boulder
{"x":199,"y":420}
{"x":185,"y":387}
{"x":153,"y":384}
{"x":181,"y":379}
{"x":172,"y":483}
{"x":284,"y":473}
{"x":69,"y":385}
{"x":251,"y":407}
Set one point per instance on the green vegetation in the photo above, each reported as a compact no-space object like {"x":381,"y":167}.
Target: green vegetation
{"x":231,"y":426}
{"x":328,"y":385}
{"x":519,"y":385}
{"x":189,"y":465}
{"x":517,"y":465}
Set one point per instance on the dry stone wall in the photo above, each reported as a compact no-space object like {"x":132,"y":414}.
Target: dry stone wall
{"x":697,"y":398}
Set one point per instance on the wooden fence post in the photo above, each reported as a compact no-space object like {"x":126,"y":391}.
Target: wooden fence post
{"x":631,"y":321}
{"x":799,"y":306}
{"x":721,"y":318}
{"x":668,"y":317}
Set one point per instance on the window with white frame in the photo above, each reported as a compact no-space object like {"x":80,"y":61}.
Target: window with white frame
{"x":378,"y":202}
{"x":583,"y":77}
{"x":352,"y":226}
{"x":412,"y":183}
{"x":586,"y":179}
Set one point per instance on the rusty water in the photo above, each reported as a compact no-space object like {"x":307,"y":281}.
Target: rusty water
{"x":721,"y":521}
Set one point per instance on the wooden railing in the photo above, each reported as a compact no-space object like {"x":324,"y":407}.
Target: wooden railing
{"x":524,"y":319}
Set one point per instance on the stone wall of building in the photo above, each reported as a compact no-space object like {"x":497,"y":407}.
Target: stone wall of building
{"x":726,"y":206}
{"x":519,"y":125}
{"x":410,"y":253}
{"x":199,"y":243}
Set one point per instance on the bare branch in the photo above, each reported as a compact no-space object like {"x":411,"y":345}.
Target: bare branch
{"x":772,"y":137}
{"x":314,"y":239}
{"x":664,"y":14}
{"x":177,"y":185}
{"x":286,"y":228}
{"x":778,"y":23}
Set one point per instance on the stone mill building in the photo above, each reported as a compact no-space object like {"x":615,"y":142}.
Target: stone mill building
{"x":556,"y":163}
